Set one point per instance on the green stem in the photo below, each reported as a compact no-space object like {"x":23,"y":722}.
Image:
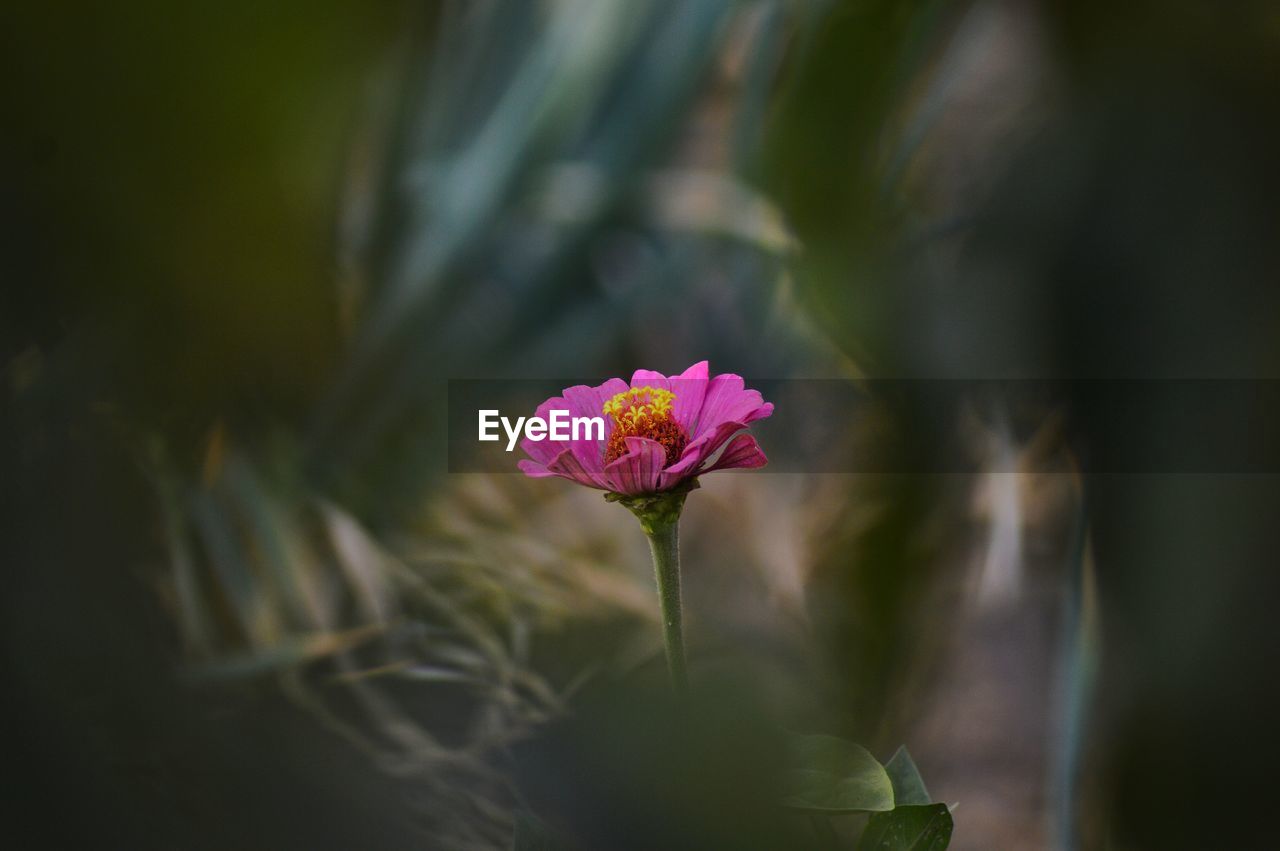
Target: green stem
{"x":664,"y":543}
{"x":659,"y":515}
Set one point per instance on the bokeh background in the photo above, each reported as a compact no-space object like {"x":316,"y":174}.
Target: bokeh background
{"x":246,"y":245}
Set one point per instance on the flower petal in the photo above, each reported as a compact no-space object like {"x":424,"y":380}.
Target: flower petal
{"x":640,"y":470}
{"x":641,"y":377}
{"x":580,"y":401}
{"x":544,"y":451}
{"x":587,"y":401}
{"x":690,"y":388}
{"x":567,"y":465}
{"x":726,"y":400}
{"x":699,"y":371}
{"x":699,"y":451}
{"x":533,"y":469}
{"x":741,"y":452}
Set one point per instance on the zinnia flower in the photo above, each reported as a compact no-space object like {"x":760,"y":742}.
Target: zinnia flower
{"x":660,"y":433}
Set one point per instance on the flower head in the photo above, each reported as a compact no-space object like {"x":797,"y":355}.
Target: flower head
{"x":660,"y":432}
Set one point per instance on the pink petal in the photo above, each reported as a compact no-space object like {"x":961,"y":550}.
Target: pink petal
{"x":542,"y":451}
{"x":699,"y":451}
{"x":639,"y":470}
{"x":568,"y":465}
{"x":700,"y":370}
{"x":690,"y":388}
{"x":587,"y":401}
{"x":533,"y":469}
{"x":580,"y":401}
{"x":741,"y":452}
{"x":641,"y":377}
{"x":726,"y":400}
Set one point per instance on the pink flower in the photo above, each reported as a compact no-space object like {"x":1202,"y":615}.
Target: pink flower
{"x":659,"y":431}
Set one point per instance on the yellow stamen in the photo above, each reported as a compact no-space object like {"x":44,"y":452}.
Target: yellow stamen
{"x":644,"y":412}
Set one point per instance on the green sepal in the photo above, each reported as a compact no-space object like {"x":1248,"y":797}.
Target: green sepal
{"x":656,"y":510}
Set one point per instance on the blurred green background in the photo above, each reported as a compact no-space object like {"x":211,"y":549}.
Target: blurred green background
{"x":245,"y":246}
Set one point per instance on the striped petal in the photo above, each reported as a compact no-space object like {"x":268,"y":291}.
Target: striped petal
{"x":640,"y":470}
{"x":742,"y":452}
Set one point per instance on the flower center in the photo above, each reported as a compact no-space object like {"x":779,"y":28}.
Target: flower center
{"x":644,"y":412}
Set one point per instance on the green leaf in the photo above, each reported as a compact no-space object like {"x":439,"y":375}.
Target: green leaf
{"x":908,"y":786}
{"x":830,"y":775}
{"x":910,"y":828}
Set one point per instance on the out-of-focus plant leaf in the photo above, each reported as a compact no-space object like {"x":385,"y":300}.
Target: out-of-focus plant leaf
{"x":914,"y":824}
{"x":914,"y":828}
{"x":908,"y":785}
{"x":231,"y":568}
{"x":831,"y":775}
{"x":472,"y":264}
{"x":285,"y":653}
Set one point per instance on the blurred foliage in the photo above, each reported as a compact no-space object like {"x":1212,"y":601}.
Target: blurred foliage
{"x":248,"y":246}
{"x":829,"y":775}
{"x":528,"y":189}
